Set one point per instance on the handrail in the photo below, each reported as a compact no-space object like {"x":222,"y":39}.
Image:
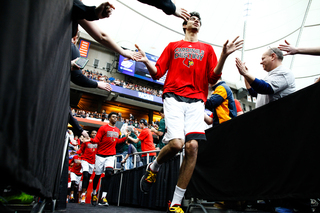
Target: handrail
{"x":138,"y":153}
{"x":134,"y":157}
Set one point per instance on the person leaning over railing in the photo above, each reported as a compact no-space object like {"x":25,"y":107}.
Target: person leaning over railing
{"x":146,"y":141}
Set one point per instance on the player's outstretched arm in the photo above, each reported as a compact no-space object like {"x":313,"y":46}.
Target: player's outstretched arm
{"x":141,"y":57}
{"x":226,"y":51}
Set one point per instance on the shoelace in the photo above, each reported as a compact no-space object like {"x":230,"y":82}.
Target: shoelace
{"x":94,"y":198}
{"x":151,"y":177}
{"x":176,"y":209}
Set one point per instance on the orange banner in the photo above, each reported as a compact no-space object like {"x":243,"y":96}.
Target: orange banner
{"x":84,"y":48}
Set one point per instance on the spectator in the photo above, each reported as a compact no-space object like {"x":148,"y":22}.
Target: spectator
{"x":136,"y":124}
{"x":131,"y":117}
{"x":238,"y":106}
{"x":146,"y":141}
{"x":161,"y":130}
{"x":221,"y":104}
{"x":103,"y":115}
{"x":278,"y":83}
{"x":132,"y":148}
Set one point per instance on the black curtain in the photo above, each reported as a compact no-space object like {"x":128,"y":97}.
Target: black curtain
{"x":269,"y":153}
{"x":34,"y":90}
{"x":161,"y":192}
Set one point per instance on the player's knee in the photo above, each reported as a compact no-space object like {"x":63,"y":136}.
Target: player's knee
{"x":108,"y":172}
{"x":192,"y":147}
{"x":176,"y":144}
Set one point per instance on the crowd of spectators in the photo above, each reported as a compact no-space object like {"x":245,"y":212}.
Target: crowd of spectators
{"x":131,"y":121}
{"x":94,"y":75}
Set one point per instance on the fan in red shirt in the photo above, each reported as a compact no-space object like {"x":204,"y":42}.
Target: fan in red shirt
{"x":238,"y":106}
{"x":88,"y":154}
{"x":146,"y":141}
{"x":190,"y":66}
{"x":107,"y":138}
{"x":75,"y":174}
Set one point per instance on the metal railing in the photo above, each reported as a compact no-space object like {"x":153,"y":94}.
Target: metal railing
{"x":118,"y":168}
{"x":134,"y":158}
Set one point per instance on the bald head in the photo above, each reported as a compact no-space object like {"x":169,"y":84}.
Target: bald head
{"x":278,"y":53}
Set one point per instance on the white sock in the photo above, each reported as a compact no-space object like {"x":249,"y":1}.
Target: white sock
{"x":177,"y":196}
{"x":83,"y":193}
{"x":155,"y":166}
{"x":71,"y":195}
{"x":94,"y":191}
{"x":104,"y":194}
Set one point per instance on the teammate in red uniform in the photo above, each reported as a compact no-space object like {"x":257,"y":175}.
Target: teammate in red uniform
{"x":191,"y":66}
{"x":88,"y":155}
{"x":75,"y":174}
{"x":106,"y":138}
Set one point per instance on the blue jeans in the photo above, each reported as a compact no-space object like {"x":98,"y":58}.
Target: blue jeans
{"x":129,"y":164}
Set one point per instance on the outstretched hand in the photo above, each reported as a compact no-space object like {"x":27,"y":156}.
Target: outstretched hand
{"x":182,"y":13}
{"x":243,"y":70}
{"x":287,"y":48}
{"x":233,"y":46}
{"x":129,"y":54}
{"x":140,"y":55}
{"x":104,"y":10}
{"x":85,"y":134}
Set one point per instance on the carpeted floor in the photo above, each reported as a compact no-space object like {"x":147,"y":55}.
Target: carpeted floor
{"x":78,"y":208}
{"x":88,"y":208}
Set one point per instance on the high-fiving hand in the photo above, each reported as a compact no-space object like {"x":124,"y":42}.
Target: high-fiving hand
{"x":140,"y":55}
{"x":233,"y":46}
{"x":287,"y":48}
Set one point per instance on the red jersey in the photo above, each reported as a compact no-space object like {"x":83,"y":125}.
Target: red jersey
{"x":190,"y":68}
{"x":107,"y":138}
{"x":88,"y":152}
{"x":238,"y":105}
{"x":76,"y":160}
{"x":147,"y":142}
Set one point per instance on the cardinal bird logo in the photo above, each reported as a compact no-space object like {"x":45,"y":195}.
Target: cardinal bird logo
{"x":188,"y":62}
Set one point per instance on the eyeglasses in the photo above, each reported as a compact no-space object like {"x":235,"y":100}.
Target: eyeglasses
{"x":272,"y":50}
{"x":278,"y":54}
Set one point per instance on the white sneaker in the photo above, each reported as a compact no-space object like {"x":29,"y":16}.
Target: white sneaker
{"x":83,"y":199}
